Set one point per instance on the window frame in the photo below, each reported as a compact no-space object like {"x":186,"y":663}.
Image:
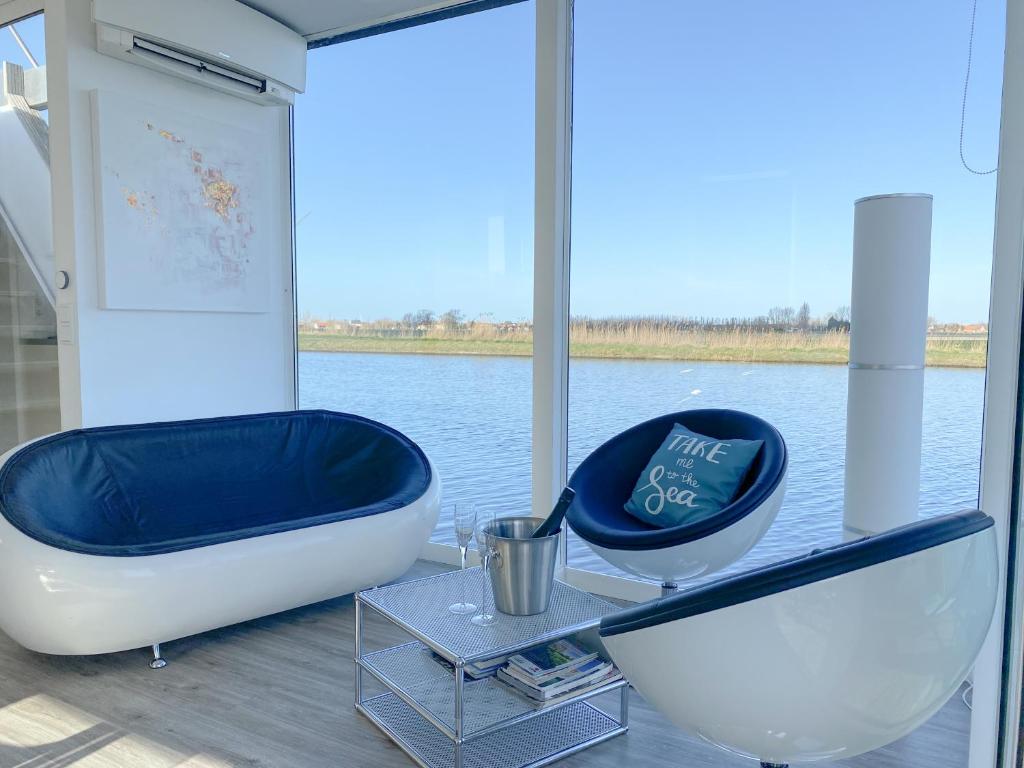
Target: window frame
{"x":997,"y":706}
{"x":13,"y":11}
{"x":996,"y":714}
{"x":998,"y":703}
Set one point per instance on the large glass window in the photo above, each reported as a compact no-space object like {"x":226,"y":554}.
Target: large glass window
{"x":414,"y":216}
{"x":29,"y":389}
{"x":716,"y":159}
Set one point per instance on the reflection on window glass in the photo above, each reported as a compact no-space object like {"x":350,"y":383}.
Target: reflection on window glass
{"x":22,"y":43}
{"x":414,"y":210}
{"x":715,"y":166}
{"x":29,"y":388}
{"x":31,"y":32}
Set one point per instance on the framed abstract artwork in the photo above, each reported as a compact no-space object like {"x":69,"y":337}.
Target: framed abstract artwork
{"x":181,"y":210}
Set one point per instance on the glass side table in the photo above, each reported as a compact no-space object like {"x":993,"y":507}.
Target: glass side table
{"x":440,"y":716}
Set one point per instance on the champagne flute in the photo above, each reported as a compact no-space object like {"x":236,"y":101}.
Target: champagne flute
{"x":464,"y":518}
{"x":483,"y":545}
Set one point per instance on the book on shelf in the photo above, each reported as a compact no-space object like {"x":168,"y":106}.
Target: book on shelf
{"x":486,"y":667}
{"x":475,"y":670}
{"x":552,"y":697}
{"x":558,"y":679}
{"x":611,"y":677}
{"x":551,"y":658}
{"x":557,"y":686}
{"x":553,"y":673}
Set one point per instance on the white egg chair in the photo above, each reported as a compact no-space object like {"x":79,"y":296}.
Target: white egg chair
{"x":822,"y":657}
{"x":604,"y":481}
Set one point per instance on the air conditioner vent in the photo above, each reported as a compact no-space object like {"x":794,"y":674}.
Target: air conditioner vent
{"x":142,"y":47}
{"x":221,"y":44}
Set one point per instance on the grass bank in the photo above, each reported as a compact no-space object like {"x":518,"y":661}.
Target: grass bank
{"x":638,"y":344}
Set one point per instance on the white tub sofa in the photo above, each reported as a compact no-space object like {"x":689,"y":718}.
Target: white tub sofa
{"x":123,"y":537}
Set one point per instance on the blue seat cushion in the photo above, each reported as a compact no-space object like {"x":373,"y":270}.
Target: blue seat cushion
{"x":604,"y":481}
{"x":817,"y":565}
{"x":156,"y":488}
{"x":690,"y":478}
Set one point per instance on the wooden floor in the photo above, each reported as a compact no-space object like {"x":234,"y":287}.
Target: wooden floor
{"x":278,"y":692}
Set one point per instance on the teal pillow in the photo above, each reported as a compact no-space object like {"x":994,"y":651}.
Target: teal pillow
{"x":690,"y":478}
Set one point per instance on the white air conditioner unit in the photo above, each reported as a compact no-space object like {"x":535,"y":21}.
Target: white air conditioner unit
{"x":219,"y":43}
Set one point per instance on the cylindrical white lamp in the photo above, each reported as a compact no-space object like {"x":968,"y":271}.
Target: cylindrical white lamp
{"x":888,"y":328}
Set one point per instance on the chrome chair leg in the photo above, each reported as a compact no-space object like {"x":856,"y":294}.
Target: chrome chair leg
{"x":773,"y":765}
{"x":669,"y":588}
{"x":158,"y":662}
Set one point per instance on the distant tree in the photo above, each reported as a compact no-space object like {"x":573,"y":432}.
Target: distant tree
{"x":781,"y":317}
{"x":842,"y":314}
{"x":803,"y":317}
{"x":842,"y":326}
{"x":451,"y":320}
{"x":932,"y":322}
{"x":423,"y":317}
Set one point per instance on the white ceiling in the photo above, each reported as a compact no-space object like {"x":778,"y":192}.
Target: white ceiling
{"x":315,"y":19}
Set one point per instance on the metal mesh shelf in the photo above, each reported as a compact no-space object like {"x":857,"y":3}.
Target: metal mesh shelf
{"x":421,"y":607}
{"x":486,"y":703}
{"x":443,"y":718}
{"x":533,"y":742}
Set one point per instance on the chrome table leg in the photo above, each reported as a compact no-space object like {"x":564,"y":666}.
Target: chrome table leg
{"x":460,"y":679}
{"x":158,"y":662}
{"x":359,"y":651}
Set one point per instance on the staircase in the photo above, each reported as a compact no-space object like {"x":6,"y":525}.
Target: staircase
{"x":29,"y":394}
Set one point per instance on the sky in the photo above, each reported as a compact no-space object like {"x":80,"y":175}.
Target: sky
{"x":31,"y":31}
{"x":717,"y":152}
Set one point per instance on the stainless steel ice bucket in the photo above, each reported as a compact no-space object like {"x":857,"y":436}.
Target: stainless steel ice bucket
{"x":522,"y":569}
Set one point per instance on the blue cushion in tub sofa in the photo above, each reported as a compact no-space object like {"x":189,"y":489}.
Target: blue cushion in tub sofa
{"x":155,"y":488}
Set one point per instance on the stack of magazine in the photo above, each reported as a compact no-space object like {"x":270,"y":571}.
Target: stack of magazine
{"x":551,"y":673}
{"x":475,"y":670}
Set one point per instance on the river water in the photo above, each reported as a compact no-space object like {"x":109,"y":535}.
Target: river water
{"x":472,"y":416}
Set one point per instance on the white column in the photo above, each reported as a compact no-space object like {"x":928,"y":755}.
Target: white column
{"x":551,"y":249}
{"x":889,"y":323}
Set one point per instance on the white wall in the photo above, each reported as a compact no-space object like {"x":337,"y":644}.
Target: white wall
{"x":131,"y":366}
